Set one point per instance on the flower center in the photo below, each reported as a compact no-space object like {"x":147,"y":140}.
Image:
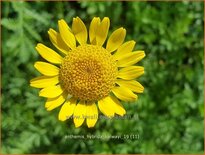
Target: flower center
{"x":88,"y":72}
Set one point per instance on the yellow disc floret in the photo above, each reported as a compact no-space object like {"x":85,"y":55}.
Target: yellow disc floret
{"x":88,"y":72}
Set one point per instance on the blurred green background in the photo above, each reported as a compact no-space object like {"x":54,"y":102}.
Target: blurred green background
{"x":168,"y":117}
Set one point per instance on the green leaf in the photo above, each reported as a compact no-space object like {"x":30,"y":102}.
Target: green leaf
{"x":10,"y":24}
{"x":31,"y":14}
{"x":32,"y":32}
{"x":18,"y":5}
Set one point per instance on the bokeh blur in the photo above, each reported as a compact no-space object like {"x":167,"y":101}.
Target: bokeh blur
{"x":167,"y":117}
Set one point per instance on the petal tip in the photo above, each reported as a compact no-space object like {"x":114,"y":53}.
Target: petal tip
{"x":38,"y":44}
{"x":77,"y":125}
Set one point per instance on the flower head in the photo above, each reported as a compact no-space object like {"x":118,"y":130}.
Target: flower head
{"x":85,"y":76}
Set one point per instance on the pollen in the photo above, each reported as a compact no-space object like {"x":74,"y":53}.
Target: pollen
{"x":88,"y":72}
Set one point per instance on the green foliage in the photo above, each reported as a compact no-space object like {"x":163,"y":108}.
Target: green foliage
{"x":21,"y":23}
{"x":168,"y":116}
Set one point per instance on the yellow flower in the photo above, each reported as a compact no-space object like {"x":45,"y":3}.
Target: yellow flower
{"x":85,"y":74}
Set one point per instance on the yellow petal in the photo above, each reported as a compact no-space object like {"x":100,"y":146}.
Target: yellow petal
{"x":67,"y":109}
{"x":79,"y":114}
{"x":132,"y":85}
{"x":124,"y":49}
{"x":124,"y":93}
{"x":51,"y":92}
{"x":93,"y":29}
{"x":102,"y":31}
{"x":48,"y":54}
{"x":57,"y":41}
{"x":130,"y":58}
{"x":79,"y":30}
{"x":91,"y":114}
{"x":66,"y":34}
{"x":131,"y":72}
{"x":44,"y":81}
{"x":53,"y":103}
{"x":116,"y":39}
{"x":115,"y":105}
{"x":46,"y":68}
{"x":105,"y":108}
